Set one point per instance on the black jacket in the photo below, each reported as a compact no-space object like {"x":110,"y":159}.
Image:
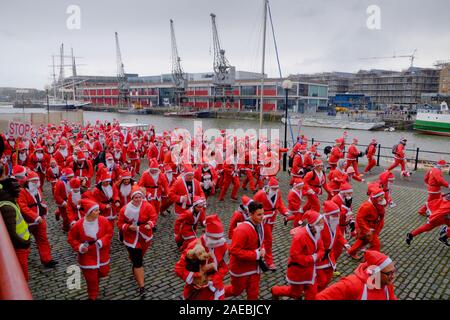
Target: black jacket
{"x":9,"y":217}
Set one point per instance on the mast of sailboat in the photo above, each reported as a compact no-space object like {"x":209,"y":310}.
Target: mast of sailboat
{"x":54,"y":77}
{"x":61,"y":70}
{"x":74,"y":74}
{"x":261,"y":104}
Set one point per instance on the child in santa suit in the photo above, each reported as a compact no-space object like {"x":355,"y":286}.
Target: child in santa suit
{"x":305,"y":253}
{"x":91,"y":238}
{"x":440,"y":216}
{"x":135,"y":223}
{"x":434,"y":181}
{"x":107,"y":197}
{"x":372,"y":280}
{"x":240,"y":215}
{"x":295,"y":198}
{"x":34,"y":211}
{"x":215,"y":268}
{"x":332,"y":238}
{"x":185,"y":228}
{"x":155,"y":184}
{"x":246,"y":254}
{"x":314,"y":182}
{"x":369,"y":222}
{"x":371,"y":150}
{"x":62,"y":189}
{"x":184,"y":189}
{"x":272,"y":202}
{"x":124,"y":186}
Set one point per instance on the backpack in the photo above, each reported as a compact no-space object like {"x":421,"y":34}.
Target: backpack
{"x":327,"y":150}
{"x":394,"y":149}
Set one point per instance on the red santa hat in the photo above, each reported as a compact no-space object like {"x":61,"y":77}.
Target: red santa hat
{"x":75,"y":183}
{"x":350,"y":170}
{"x":87,"y":206}
{"x":32,"y":176}
{"x":81,"y":156}
{"x":213,"y":226}
{"x":346,"y":188}
{"x":312,"y":217}
{"x":53,"y":160}
{"x":153,"y":165}
{"x":118,"y":147}
{"x":330,"y":207}
{"x":126,"y":174}
{"x":187,"y":169}
{"x":168,"y":168}
{"x":441,"y":163}
{"x":317,"y":163}
{"x":21,"y":146}
{"x":67,"y":172}
{"x":105,"y":176}
{"x":245,"y":200}
{"x":136,"y":189}
{"x":298,"y":182}
{"x":198,"y":200}
{"x":377,"y":259}
{"x":273,"y":183}
{"x":375,"y":191}
{"x":19,"y":171}
{"x":38,"y":148}
{"x":109,"y":156}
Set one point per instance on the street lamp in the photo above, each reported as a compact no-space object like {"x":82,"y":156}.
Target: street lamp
{"x":287,"y":85}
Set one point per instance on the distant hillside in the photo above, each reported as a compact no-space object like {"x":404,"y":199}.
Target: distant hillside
{"x":10,"y":94}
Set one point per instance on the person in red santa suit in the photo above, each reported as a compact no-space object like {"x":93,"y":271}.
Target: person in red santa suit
{"x":385,"y":180}
{"x":230,"y":176}
{"x":314,"y":182}
{"x":370,"y":154}
{"x":214,"y":269}
{"x":73,"y":201}
{"x":352,"y":156}
{"x":336,"y":177}
{"x":111,"y":167}
{"x":185,"y":228}
{"x":156,"y":150}
{"x":49,"y":147}
{"x":99,"y":145}
{"x":369,"y":222}
{"x":124,"y":186}
{"x":440,"y":216}
{"x":247,"y":255}
{"x":272,"y":202}
{"x":62,"y":189}
{"x":372,"y":280}
{"x":20,"y":173}
{"x":332,"y":238}
{"x":295,"y":198}
{"x":34,"y":211}
{"x":39,"y":162}
{"x":336,"y":153}
{"x":240,"y":215}
{"x":165,"y":200}
{"x":400,"y":157}
{"x":135,"y":223}
{"x":107,"y":197}
{"x":119,"y":155}
{"x":91,"y":238}
{"x":155,"y":184}
{"x":184,"y":189}
{"x":20,"y":157}
{"x":133,"y":154}
{"x":306,"y":251}
{"x":207,"y":176}
{"x":434,"y":181}
{"x":82,"y":168}
{"x":53,"y":173}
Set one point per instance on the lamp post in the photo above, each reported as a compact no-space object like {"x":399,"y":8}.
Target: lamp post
{"x":287,"y":85}
{"x":48,"y":107}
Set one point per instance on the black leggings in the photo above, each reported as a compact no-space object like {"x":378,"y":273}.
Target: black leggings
{"x":136,"y":257}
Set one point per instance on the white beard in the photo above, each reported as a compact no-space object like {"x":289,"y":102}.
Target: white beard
{"x":108,"y":191}
{"x":210,"y":243}
{"x":39,"y":156}
{"x":50,"y":149}
{"x":333,"y":224}
{"x":132,"y":212}
{"x":55,"y":170}
{"x":169,"y":176}
{"x":117,"y":155}
{"x":33,"y":189}
{"x":155,"y":177}
{"x":63,"y":153}
{"x":91,"y":228}
{"x":76,"y":196}
{"x":125,"y":190}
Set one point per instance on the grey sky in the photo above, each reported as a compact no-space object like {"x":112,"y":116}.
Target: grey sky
{"x":313,"y":35}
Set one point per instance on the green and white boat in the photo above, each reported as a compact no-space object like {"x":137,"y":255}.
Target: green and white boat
{"x":435,"y":122}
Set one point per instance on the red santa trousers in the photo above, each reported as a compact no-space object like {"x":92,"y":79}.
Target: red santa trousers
{"x":295,"y":291}
{"x":375,"y":244}
{"x":227,"y":180}
{"x":431,"y":225}
{"x":354,"y":164}
{"x":136,"y":165}
{"x":313,"y":203}
{"x":92,"y":277}
{"x":396,"y":163}
{"x":22,"y":256}
{"x":431,"y":197}
{"x":65,"y":218}
{"x":324,"y":277}
{"x":268,"y":241}
{"x":248,"y":180}
{"x":248,"y":283}
{"x":39,"y":232}
{"x":371,"y":162}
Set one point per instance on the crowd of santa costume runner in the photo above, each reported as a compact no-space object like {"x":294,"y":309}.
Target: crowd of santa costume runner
{"x":97,"y":186}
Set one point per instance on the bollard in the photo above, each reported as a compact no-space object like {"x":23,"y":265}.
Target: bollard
{"x":312,"y":141}
{"x":417,"y":159}
{"x":379,"y":153}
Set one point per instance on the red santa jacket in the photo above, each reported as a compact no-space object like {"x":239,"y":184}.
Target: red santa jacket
{"x":331,"y":240}
{"x":60,"y":159}
{"x":103,"y":201}
{"x":346,"y":210}
{"x":271,"y":208}
{"x":245,"y":250}
{"x":335,"y":155}
{"x":202,"y":175}
{"x":371,"y":150}
{"x":179,"y":189}
{"x":61,"y":192}
{"x":335,"y":178}
{"x":133,"y":151}
{"x":237,"y":217}
{"x":297,"y":165}
{"x":158,"y":153}
{"x":215,"y":277}
{"x":440,"y":209}
{"x":294,"y":202}
{"x":435,"y":180}
{"x":124,"y":192}
{"x":369,"y":218}
{"x":95,"y":257}
{"x":306,"y":250}
{"x":154,"y":189}
{"x":86,"y":170}
{"x":73,"y":209}
{"x":352,"y":153}
{"x":354,"y":287}
{"x":185,"y":227}
{"x":53,"y":174}
{"x":400,"y":152}
{"x":315,"y":181}
{"x":140,"y":217}
{"x":39,"y":166}
{"x":29,"y":206}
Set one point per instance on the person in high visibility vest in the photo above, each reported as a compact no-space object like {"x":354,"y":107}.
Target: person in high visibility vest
{"x":14,"y":222}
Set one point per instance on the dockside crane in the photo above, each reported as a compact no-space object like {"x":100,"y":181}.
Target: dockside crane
{"x":178,"y":76}
{"x":123,"y":86}
{"x":412,"y":57}
{"x":224,"y":73}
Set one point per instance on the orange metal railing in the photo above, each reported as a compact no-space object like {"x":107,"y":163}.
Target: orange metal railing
{"x":13,"y":285}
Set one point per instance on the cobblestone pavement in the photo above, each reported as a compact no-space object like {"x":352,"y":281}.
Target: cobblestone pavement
{"x":423,"y":268}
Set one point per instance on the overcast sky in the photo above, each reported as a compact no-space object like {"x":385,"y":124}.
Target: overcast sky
{"x":312,"y":35}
